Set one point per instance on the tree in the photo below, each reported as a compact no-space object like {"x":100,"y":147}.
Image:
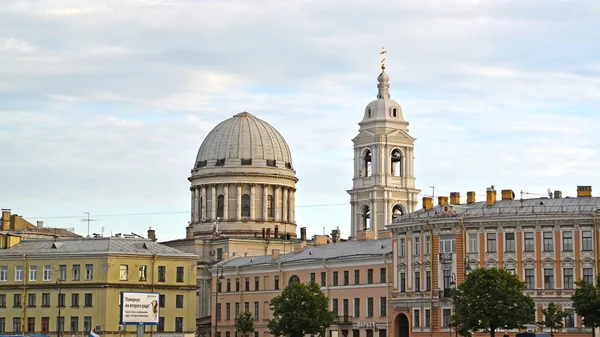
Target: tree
{"x":490,"y":299}
{"x":586,"y":302}
{"x":244,"y":323}
{"x":301,"y":309}
{"x":553,"y":318}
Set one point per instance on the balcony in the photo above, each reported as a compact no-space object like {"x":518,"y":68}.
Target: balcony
{"x":446,"y":257}
{"x":343,"y":320}
{"x":445,"y":293}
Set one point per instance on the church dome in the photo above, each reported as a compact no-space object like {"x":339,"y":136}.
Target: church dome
{"x":244,"y":139}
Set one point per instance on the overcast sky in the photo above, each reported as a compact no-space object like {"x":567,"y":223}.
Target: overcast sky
{"x":104,"y":104}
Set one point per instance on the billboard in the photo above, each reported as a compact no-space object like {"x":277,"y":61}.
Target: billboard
{"x":139,"y":308}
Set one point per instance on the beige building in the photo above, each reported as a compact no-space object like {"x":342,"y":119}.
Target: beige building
{"x":73,"y":285}
{"x":13,"y":229}
{"x":550,"y":243}
{"x":383,"y":186}
{"x":353,"y":274}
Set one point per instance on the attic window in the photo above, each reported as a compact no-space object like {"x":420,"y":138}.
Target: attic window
{"x":56,"y":245}
{"x":246,"y":161}
{"x":220,"y":162}
{"x":271,"y":163}
{"x":201,"y":163}
{"x":144,"y":246}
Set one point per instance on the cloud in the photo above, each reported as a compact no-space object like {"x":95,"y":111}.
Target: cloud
{"x":103,"y":106}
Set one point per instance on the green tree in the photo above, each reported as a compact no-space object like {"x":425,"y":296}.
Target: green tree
{"x":586,"y":302}
{"x":301,"y":309}
{"x":244,"y":323}
{"x":553,"y":318}
{"x":490,"y":299}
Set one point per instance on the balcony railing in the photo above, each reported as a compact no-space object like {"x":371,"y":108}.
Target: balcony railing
{"x":343,"y":320}
{"x":445,"y":257}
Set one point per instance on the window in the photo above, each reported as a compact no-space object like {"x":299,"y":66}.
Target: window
{"x":227,"y":311}
{"x":402,"y":282}
{"x":33,"y":273}
{"x":447,"y":281}
{"x":447,"y":246}
{"x":588,"y":275}
{"x":417,"y":281}
{"x":367,"y":160}
{"x":293,"y":279}
{"x":17,"y":300}
{"x":19,"y":273}
{"x":427,"y":318}
{"x":529,"y":242}
{"x":62,"y":272}
{"x":491,"y":242}
{"x":256,"y":311}
{"x":417,"y":318}
{"x":473,"y":243}
{"x":567,"y":244}
{"x":30,"y":324}
{"x":237,"y":309}
{"x":447,"y":313}
{"x":31,"y":300}
{"x":569,"y":318}
{"x":124,"y":272}
{"x":237,"y":284}
{"x":509,"y":242}
{"x":568,"y":278}
{"x":313,"y":277}
{"x":17,"y":324}
{"x":74,"y":324}
{"x":369,"y":276}
{"x":256,"y":283}
{"x":45,"y":324}
{"x":161,"y":325}
{"x":247,"y":306}
{"x":178,"y":324}
{"x":427,"y":245}
{"x":417,"y":246}
{"x":45,"y":299}
{"x":270,"y":208}
{"x":428,"y":280}
{"x":61,"y":300}
{"x":369,"y":306}
{"x":179,"y":276}
{"x":357,"y":276}
{"x":162,"y":273}
{"x":3,"y":273}
{"x":382,"y":275}
{"x":89,"y":272}
{"x":548,"y":278}
{"x":74,"y":300}
{"x":396,"y":157}
{"x":2,"y":301}
{"x":178,"y":301}
{"x":586,"y":241}
{"x":60,"y":322}
{"x":217,"y":311}
{"x":346,"y":277}
{"x":2,"y":325}
{"x":323,"y":279}
{"x":245,"y":205}
{"x":334,"y":305}
{"x":383,"y":306}
{"x":220,"y":206}
{"x":548,"y":242}
{"x":246,"y":284}
{"x":219,"y":254}
{"x":345,"y":307}
{"x":76,"y":272}
{"x":276,"y":280}
{"x":530,"y":278}
{"x":357,"y":307}
{"x":335,"y":278}
{"x":143,"y":273}
{"x":88,"y":297}
{"x":87,"y":323}
{"x":402,"y":248}
{"x":161,"y":301}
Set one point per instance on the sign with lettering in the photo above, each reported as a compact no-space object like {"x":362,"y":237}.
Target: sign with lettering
{"x":365,"y":325}
{"x":139,"y":308}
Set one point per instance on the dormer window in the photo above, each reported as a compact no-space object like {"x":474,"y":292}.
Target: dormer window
{"x":369,"y":113}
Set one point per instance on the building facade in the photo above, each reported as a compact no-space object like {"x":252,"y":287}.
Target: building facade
{"x":550,"y":243}
{"x":354,"y":275}
{"x":383,"y":186}
{"x":73,"y":285}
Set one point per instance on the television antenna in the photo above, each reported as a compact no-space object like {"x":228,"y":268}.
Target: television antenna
{"x":88,"y":222}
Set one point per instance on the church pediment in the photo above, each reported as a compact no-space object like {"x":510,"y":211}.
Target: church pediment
{"x":364,"y":134}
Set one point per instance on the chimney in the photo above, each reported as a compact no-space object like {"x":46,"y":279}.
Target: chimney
{"x":275,"y":254}
{"x":6,"y":219}
{"x":384,"y":234}
{"x":335,"y":235}
{"x":584,"y":191}
{"x":471,"y":197}
{"x":299,"y":246}
{"x":427,"y":203}
{"x":490,"y":196}
{"x":268,"y":233}
{"x":442,"y":201}
{"x":40,"y":224}
{"x":320,"y":240}
{"x":508,"y":195}
{"x":365,"y":235}
{"x":152,"y":234}
{"x":557,"y":195}
{"x":189,"y":232}
{"x":303,"y":233}
{"x":455,"y":198}
{"x":276,"y":232}
{"x":263,"y":233}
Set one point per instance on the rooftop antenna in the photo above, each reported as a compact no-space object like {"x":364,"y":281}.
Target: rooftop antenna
{"x":432,"y":191}
{"x":323,"y":230}
{"x":88,"y":222}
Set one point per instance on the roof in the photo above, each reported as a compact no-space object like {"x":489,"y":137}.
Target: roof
{"x":93,"y":246}
{"x":507,"y":208}
{"x":48,"y":231}
{"x":341,"y":250}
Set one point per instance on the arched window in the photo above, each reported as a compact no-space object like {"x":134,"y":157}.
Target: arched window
{"x":397,"y":211}
{"x":369,"y":113}
{"x":270,"y":209}
{"x":394,"y":112}
{"x":220,"y":205}
{"x":397,"y":163}
{"x":368,"y":164}
{"x":246,"y":205}
{"x":366,"y":217}
{"x":294,"y":279}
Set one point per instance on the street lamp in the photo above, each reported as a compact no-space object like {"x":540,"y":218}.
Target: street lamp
{"x":59,"y":284}
{"x":220,"y":277}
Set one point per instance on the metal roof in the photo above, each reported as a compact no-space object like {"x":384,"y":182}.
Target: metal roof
{"x":93,"y":246}
{"x":348,"y":249}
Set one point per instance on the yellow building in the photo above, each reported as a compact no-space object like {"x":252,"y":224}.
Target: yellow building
{"x":13,"y":229}
{"x":73,"y":285}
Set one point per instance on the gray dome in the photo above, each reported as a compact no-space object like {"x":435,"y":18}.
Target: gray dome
{"x":244,"y":139}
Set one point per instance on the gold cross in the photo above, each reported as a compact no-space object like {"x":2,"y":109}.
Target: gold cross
{"x":382,"y":53}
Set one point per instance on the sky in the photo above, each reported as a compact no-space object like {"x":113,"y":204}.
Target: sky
{"x":104,"y":104}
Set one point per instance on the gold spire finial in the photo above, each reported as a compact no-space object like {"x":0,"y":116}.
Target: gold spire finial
{"x":382,"y":53}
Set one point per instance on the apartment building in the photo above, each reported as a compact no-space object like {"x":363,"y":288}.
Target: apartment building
{"x":69,"y":286}
{"x":353,"y":274}
{"x":550,"y":243}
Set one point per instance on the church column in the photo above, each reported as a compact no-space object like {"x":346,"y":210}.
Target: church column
{"x":357,"y":162}
{"x":238,"y":201}
{"x":194,"y":204}
{"x":252,"y":203}
{"x":265,"y":202}
{"x":213,"y":202}
{"x":284,"y":201}
{"x":373,"y":217}
{"x":276,"y":202}
{"x":226,"y":200}
{"x":293,"y":205}
{"x":203,"y":203}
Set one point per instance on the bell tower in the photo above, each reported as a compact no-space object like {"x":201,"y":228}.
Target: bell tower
{"x":384,"y":181}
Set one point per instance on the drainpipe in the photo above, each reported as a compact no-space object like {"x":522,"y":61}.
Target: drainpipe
{"x":433,"y":265}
